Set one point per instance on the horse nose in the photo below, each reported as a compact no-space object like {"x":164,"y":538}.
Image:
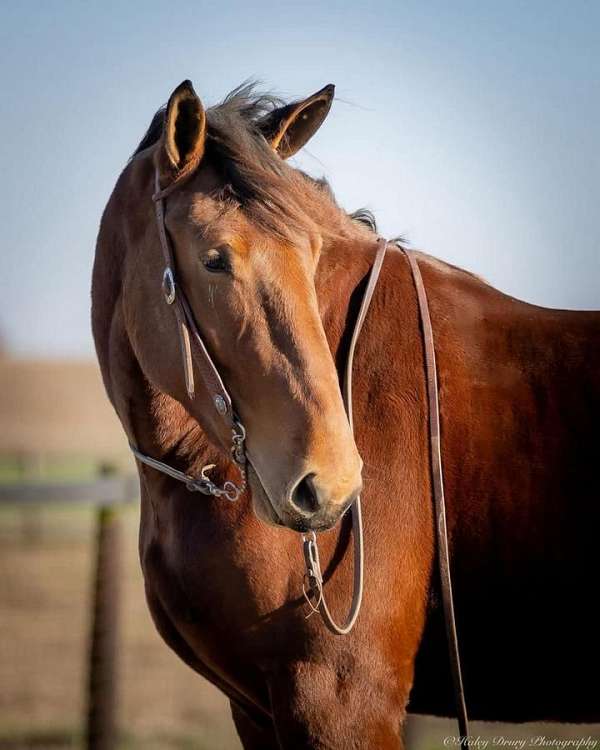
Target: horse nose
{"x":305,"y":496}
{"x":312,"y":500}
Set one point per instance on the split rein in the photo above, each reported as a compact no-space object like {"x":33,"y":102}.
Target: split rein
{"x":194,"y":351}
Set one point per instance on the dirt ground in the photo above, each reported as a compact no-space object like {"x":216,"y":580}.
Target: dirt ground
{"x":54,"y":408}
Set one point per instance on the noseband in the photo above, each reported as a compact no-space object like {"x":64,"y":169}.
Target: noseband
{"x":193,"y":350}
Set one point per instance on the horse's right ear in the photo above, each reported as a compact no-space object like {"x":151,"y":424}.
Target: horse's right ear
{"x":286,"y":129}
{"x":184,"y":132}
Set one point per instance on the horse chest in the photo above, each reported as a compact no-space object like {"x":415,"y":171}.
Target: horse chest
{"x":208,"y":579}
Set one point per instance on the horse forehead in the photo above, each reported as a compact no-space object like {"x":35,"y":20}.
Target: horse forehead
{"x":284,"y":283}
{"x":279,"y":257}
{"x":205,"y":211}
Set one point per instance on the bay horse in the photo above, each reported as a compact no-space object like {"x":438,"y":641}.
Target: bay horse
{"x":274,"y":271}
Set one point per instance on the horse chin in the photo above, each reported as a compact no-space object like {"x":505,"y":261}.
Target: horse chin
{"x":261,"y":504}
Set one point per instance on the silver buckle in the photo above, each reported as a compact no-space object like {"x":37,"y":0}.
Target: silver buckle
{"x":168,"y":286}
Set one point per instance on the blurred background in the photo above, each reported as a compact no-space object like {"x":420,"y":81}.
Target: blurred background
{"x":471,"y":128}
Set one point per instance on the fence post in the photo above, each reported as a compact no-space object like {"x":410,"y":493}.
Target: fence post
{"x":101,"y":730}
{"x":31,"y":466}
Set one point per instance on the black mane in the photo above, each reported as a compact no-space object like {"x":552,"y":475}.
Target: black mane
{"x":366,"y":217}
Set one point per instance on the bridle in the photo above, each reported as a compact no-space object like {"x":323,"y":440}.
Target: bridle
{"x":194,"y":351}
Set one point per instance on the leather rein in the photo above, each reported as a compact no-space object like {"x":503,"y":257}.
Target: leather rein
{"x":194,"y":351}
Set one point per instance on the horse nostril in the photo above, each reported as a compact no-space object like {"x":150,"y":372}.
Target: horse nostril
{"x":304,"y":495}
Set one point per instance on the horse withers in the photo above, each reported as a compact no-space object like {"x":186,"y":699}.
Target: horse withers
{"x":273,"y":271}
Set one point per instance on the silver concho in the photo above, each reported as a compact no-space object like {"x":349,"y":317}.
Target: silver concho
{"x":220,"y":405}
{"x":168,"y":286}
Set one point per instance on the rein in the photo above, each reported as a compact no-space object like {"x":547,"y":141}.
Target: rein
{"x":439,"y":502}
{"x":193,"y":350}
{"x":314,"y":576}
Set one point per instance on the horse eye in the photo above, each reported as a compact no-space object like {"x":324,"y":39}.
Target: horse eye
{"x":215,"y":261}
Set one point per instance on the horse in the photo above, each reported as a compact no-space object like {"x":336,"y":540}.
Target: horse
{"x":274,"y":271}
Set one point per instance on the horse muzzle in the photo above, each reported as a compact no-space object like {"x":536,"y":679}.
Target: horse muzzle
{"x":308,"y":505}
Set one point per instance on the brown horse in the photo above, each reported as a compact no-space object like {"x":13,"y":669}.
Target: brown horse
{"x":274,"y":270}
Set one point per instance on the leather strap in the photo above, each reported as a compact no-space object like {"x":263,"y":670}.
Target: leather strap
{"x":310,"y":545}
{"x":193,"y":349}
{"x":437,"y":478}
{"x":362,"y":314}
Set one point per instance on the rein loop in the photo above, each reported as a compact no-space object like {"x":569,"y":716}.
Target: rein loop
{"x":314,"y":576}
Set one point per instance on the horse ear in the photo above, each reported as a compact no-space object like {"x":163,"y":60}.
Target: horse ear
{"x":288,"y":128}
{"x":184,"y":132}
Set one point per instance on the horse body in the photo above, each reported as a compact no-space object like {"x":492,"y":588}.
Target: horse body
{"x":519,"y":398}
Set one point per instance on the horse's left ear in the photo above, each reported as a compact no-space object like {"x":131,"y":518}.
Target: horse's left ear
{"x":288,"y":128}
{"x":184,"y":132}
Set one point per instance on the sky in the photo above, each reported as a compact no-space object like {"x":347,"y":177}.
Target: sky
{"x":471,"y":128}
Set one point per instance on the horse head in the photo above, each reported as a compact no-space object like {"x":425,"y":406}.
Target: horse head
{"x":246,"y":231}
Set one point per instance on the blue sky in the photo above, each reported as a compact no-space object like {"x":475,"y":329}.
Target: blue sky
{"x":472,"y":128}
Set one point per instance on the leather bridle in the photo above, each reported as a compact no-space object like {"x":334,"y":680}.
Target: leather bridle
{"x":194,"y":351}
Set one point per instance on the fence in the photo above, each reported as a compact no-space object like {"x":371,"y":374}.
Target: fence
{"x":107,"y":492}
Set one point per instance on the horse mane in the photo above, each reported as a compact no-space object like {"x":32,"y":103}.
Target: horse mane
{"x":272,"y":193}
{"x":366,"y":217}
